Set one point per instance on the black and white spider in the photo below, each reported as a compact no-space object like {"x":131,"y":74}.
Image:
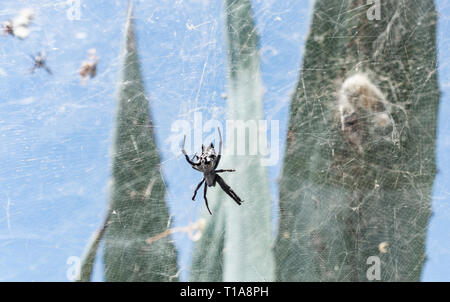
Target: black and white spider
{"x":207,"y":163}
{"x":40,"y":62}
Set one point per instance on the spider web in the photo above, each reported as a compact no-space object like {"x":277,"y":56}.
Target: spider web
{"x":56,"y":134}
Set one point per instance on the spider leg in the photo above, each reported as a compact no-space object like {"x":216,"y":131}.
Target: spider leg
{"x":33,"y":69}
{"x":228,"y":190}
{"x":226,"y":170}
{"x":48,"y":70}
{"x":219,"y":155}
{"x":220,"y":142}
{"x":206,"y":199}
{"x":187,"y":157}
{"x":198,"y":187}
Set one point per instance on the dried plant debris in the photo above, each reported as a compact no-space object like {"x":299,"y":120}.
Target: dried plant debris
{"x":89,"y":67}
{"x":18,"y":27}
{"x":362,"y":108}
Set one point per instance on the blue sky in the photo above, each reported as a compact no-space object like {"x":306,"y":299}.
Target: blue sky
{"x":55,"y":134}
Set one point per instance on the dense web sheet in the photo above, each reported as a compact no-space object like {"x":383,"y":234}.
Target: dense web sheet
{"x":343,"y":203}
{"x":56,"y":133}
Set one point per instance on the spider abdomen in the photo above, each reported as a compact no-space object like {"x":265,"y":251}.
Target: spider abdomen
{"x":210,"y":179}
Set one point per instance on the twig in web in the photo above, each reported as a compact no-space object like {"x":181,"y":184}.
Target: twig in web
{"x":199,"y":225}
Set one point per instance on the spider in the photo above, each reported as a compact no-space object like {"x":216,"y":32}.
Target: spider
{"x":39,"y":62}
{"x":207,"y":164}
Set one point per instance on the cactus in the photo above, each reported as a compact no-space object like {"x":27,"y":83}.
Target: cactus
{"x":207,"y":259}
{"x":243,"y":231}
{"x":359,"y":161}
{"x":88,"y":259}
{"x":137,"y":202}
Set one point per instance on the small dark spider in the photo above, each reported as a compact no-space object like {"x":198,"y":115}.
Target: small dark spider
{"x":39,"y":62}
{"x":207,"y":164}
